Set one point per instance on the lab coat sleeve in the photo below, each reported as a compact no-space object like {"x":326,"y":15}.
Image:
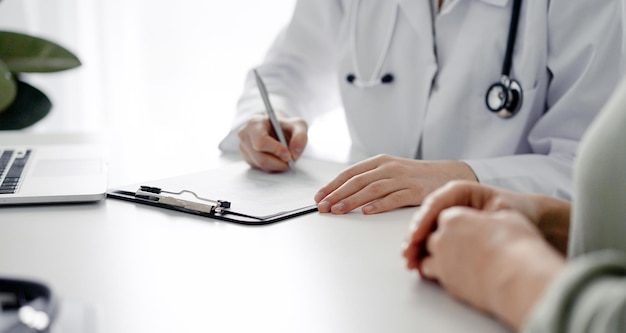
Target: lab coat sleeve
{"x":584,"y":64}
{"x":298,"y":70}
{"x":589,"y":296}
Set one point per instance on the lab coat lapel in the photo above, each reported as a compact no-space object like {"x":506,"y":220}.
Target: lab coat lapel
{"x":499,"y":3}
{"x":450,"y":4}
{"x":418,"y":13}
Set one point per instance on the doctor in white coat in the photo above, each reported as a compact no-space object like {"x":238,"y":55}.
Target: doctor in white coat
{"x":413,"y":78}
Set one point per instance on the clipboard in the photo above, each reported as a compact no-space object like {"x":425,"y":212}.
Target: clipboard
{"x":246,"y":196}
{"x":215,"y":209}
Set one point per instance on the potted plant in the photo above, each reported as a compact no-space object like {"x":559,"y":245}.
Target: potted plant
{"x":22,"y":105}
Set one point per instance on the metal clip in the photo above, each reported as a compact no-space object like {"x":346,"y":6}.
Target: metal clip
{"x":154,"y":194}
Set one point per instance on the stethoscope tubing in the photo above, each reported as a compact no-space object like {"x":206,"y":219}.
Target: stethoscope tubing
{"x":377,"y":77}
{"x":512,"y":38}
{"x":512,"y":92}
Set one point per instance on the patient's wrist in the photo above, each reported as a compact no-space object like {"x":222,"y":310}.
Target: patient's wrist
{"x":521,"y":272}
{"x":553,"y":221}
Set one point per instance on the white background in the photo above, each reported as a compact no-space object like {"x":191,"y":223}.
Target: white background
{"x":155,"y":59}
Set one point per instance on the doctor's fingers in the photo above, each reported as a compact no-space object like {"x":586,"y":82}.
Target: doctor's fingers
{"x":255,"y":136}
{"x":257,"y":125}
{"x":353,"y":171}
{"x":296,"y":133}
{"x":260,"y":160}
{"x":402,"y":197}
{"x":378,"y":196}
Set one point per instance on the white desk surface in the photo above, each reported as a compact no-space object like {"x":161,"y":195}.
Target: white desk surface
{"x":144,"y":269}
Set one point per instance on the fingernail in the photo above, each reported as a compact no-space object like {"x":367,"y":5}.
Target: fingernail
{"x":298,"y":150}
{"x":338,"y":208}
{"x":319,"y":196}
{"x":323,"y":206}
{"x":285,"y":156}
{"x":368,"y":209}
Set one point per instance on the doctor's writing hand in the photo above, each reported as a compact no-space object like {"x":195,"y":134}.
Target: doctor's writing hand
{"x":260,"y":147}
{"x":384,"y":182}
{"x":550,"y":215}
{"x":496,"y":261}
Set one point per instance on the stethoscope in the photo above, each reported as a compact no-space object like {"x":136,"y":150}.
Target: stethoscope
{"x":504,"y":98}
{"x":32,"y":306}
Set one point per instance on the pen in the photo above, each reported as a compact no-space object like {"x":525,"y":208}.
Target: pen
{"x":272,"y":115}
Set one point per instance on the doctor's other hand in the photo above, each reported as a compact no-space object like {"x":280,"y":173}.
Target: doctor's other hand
{"x":550,"y":215}
{"x":260,"y":147}
{"x":496,"y":261}
{"x":384,"y":182}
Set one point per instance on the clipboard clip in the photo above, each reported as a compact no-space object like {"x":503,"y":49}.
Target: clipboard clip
{"x":206,"y":205}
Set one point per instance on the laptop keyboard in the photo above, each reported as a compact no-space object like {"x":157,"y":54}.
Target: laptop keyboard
{"x":12,"y":163}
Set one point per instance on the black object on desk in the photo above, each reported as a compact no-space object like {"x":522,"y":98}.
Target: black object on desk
{"x":214,"y":209}
{"x":26,"y":306}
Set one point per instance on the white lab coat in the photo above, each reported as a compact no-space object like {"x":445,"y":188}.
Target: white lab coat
{"x":567,"y":58}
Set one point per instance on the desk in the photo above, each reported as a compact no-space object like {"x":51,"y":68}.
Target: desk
{"x":143,"y":269}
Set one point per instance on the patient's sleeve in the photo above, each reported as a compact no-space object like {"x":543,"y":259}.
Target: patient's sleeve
{"x":589,"y":296}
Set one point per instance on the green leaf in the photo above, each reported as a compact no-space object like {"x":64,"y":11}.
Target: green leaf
{"x":30,"y":106}
{"x":28,"y":54}
{"x":8,"y":88}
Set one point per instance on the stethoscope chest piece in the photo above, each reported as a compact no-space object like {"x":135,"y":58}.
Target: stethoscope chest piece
{"x":505,"y":98}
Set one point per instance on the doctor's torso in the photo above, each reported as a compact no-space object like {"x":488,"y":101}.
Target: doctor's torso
{"x":442,"y":65}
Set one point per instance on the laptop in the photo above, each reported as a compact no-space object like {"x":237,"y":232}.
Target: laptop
{"x":48,"y":169}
